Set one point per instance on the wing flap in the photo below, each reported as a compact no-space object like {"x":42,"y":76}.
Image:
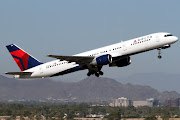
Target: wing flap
{"x":81,"y":60}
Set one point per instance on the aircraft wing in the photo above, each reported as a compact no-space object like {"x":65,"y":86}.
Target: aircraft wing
{"x":81,"y":60}
{"x":19,"y":73}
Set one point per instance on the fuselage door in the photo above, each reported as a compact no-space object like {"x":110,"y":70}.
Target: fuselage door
{"x":157,"y":38}
{"x":124,"y":46}
{"x":40,"y":70}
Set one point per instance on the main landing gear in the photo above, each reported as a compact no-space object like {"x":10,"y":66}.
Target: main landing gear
{"x":94,"y":70}
{"x":159,"y":53}
{"x":97,"y":74}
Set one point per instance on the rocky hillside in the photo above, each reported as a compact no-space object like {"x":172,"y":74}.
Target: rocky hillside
{"x":91,"y":89}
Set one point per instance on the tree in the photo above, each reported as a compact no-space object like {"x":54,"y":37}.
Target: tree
{"x":166,"y":117}
{"x":60,"y":115}
{"x":115,"y":115}
{"x":151,"y":117}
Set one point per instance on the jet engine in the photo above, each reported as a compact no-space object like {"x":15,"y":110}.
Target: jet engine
{"x":121,"y":63}
{"x":102,"y":60}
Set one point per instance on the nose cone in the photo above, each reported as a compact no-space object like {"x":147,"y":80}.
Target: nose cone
{"x":175,"y":39}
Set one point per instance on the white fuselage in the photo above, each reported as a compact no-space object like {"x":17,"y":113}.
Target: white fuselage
{"x":126,"y":48}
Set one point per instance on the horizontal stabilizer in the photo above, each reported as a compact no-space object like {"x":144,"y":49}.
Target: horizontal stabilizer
{"x":19,"y":73}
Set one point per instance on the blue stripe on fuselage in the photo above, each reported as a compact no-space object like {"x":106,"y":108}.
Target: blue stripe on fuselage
{"x":70,"y":70}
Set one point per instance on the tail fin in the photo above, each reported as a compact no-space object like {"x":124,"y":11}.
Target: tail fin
{"x":23,"y":59}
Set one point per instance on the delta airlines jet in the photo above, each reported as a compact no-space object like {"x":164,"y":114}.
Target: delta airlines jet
{"x":116,"y":55}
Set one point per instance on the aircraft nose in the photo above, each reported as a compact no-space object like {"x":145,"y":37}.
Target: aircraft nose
{"x":175,"y":39}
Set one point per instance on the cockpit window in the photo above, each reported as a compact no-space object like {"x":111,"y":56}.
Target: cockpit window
{"x":168,"y":35}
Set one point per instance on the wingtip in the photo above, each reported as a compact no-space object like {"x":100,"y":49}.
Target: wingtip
{"x":49,"y":55}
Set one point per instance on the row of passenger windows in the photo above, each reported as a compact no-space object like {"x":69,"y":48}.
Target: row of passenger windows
{"x":105,"y":51}
{"x":49,"y":66}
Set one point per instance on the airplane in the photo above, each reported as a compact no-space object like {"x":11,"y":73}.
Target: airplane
{"x":115,"y":55}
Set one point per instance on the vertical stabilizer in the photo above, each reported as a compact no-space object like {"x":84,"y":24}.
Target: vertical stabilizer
{"x":23,"y":59}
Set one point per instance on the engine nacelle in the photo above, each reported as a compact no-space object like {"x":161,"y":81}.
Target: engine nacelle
{"x":121,"y":63}
{"x":102,"y":60}
{"x":166,"y":46}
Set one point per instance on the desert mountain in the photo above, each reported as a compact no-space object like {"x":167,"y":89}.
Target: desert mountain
{"x":91,"y":89}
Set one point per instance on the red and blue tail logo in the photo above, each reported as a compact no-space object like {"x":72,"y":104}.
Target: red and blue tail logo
{"x":23,"y":59}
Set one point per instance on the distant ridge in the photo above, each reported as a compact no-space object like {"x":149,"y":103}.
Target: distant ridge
{"x":91,"y":89}
{"x":158,"y":81}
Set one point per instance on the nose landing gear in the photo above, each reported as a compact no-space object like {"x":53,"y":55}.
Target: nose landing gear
{"x":159,"y":53}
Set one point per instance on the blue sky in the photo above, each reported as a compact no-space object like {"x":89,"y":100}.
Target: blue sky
{"x":69,"y":27}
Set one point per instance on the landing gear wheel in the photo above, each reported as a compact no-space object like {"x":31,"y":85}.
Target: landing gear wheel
{"x":159,"y":53}
{"x":96,"y":74}
{"x":159,"y":56}
{"x":88,"y":74}
{"x":101,"y":73}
